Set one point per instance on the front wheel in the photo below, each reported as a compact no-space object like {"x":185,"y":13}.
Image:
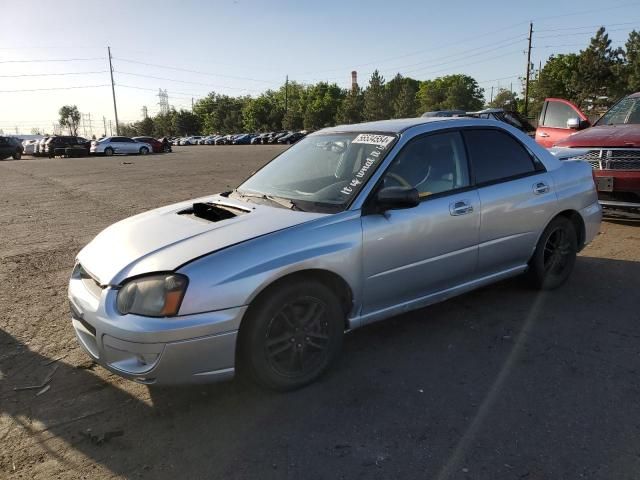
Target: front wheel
{"x":17,"y":155}
{"x":291,"y":336}
{"x":144,"y":151}
{"x":555,"y":255}
{"x":108,"y":151}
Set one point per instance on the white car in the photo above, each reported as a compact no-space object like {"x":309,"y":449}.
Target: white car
{"x":29,"y":146}
{"x":193,"y":140}
{"x":119,"y":145}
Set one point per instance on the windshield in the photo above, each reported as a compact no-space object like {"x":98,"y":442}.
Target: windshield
{"x":626,"y":111}
{"x":322,"y":172}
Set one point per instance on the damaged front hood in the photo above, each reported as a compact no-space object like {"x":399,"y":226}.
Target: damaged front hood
{"x":166,"y":238}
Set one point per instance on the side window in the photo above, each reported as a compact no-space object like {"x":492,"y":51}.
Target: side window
{"x":557,"y":115}
{"x":431,"y":164}
{"x":496,"y":155}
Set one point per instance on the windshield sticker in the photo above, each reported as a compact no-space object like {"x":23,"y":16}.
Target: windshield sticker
{"x":372,"y":158}
{"x":380,"y":140}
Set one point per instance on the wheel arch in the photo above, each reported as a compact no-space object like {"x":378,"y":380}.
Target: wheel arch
{"x":578,"y":224}
{"x":330,"y":279}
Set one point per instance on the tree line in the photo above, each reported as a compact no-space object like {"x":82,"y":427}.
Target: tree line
{"x":594,"y":77}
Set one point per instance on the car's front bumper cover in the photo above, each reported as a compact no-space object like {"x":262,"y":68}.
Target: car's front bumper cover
{"x":196,"y":348}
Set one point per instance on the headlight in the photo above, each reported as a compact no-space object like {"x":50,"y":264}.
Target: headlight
{"x":153,"y":296}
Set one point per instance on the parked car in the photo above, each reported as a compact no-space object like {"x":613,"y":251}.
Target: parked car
{"x":10,"y":147}
{"x":119,"y":145}
{"x":351,"y":225}
{"x":57,"y":145}
{"x":243,"y":139}
{"x":511,"y":117}
{"x":259,"y":139}
{"x":444,"y":113}
{"x":612,"y":147}
{"x":554,"y":124}
{"x":157,"y":146}
{"x":29,"y":146}
{"x":274,"y":138}
{"x":291,"y":138}
{"x":193,"y":140}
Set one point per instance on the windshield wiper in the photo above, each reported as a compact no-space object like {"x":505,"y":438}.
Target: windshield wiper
{"x":283,"y":202}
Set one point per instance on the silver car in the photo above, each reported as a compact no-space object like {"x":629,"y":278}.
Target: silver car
{"x":119,"y":145}
{"x":351,"y":225}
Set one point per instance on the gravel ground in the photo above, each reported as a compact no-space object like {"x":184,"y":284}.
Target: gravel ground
{"x":502,"y":383}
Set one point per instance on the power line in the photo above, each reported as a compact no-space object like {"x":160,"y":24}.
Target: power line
{"x":191,"y":71}
{"x":45,"y":60}
{"x":52,"y":74}
{"x":183,"y":81}
{"x":52,"y":88}
{"x":564,"y":29}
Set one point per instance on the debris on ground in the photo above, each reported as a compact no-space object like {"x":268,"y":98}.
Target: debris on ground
{"x":44,"y":383}
{"x":44,"y":390}
{"x":54,"y":360}
{"x":101,"y":438}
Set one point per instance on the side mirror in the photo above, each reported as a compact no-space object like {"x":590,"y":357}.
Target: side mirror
{"x":396,"y":198}
{"x":573,"y":123}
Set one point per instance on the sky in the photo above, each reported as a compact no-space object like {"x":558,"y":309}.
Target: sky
{"x":243,"y":47}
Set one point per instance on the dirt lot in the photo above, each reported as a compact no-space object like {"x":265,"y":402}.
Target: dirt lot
{"x":503,"y":383}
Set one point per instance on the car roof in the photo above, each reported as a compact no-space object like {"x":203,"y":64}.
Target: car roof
{"x":398,"y":125}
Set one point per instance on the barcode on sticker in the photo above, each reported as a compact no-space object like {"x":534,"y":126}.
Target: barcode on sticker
{"x":380,"y":140}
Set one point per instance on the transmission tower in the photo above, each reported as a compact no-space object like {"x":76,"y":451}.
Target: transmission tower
{"x":164,"y":101}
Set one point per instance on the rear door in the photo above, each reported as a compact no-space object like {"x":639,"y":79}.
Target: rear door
{"x":552,"y":126}
{"x":515,"y":191}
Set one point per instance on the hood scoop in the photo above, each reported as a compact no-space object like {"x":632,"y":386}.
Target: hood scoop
{"x":212,"y":212}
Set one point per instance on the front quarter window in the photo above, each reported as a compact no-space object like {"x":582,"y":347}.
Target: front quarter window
{"x":322,"y":172}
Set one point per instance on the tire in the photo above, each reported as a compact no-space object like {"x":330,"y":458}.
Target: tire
{"x":17,"y":155}
{"x":108,"y":151}
{"x":554,"y":256}
{"x":291,"y":335}
{"x":167,"y":149}
{"x":144,"y":151}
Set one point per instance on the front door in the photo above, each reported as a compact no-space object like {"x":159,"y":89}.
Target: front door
{"x":552,"y":126}
{"x":411,"y":253}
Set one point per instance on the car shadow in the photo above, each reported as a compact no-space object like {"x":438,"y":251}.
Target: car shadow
{"x":429,"y":393}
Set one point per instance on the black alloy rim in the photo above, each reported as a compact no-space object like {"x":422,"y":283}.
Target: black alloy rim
{"x":557,"y":251}
{"x":297,"y":338}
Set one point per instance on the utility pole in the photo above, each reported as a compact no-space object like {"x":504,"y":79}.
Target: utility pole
{"x":526,"y":85}
{"x":491,"y":94}
{"x":191,"y":104}
{"x":104,"y":124}
{"x":286,"y":95}
{"x":113,"y":91}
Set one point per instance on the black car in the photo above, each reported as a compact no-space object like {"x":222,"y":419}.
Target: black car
{"x":276,"y":136}
{"x":291,"y":138}
{"x":444,"y":113}
{"x":66,"y":145}
{"x":511,"y":117}
{"x":11,"y":147}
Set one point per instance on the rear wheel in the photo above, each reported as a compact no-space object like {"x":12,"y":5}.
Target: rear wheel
{"x":144,"y":150}
{"x":555,"y":255}
{"x":108,"y":151}
{"x":291,"y":335}
{"x":17,"y":155}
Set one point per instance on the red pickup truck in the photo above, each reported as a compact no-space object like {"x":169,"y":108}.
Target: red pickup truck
{"x":611,"y":145}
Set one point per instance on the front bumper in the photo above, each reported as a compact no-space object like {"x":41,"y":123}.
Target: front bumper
{"x":196,"y":348}
{"x":618,"y":189}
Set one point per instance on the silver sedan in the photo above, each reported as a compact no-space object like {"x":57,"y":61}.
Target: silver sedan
{"x":351,"y":225}
{"x":119,"y":145}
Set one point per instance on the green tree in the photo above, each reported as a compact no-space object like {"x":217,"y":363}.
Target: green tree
{"x":505,"y":99}
{"x":451,"y":92}
{"x":405,"y":104}
{"x":186,"y":123}
{"x":321,"y":106}
{"x":144,"y":127}
{"x":351,"y":108}
{"x":376,"y":100}
{"x":597,"y":68}
{"x":264,"y":113}
{"x":295,"y":104}
{"x":70,"y":118}
{"x":632,"y":62}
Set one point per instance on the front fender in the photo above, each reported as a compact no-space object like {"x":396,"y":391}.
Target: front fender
{"x":236,"y":275}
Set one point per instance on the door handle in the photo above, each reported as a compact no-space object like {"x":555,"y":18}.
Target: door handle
{"x":461,"y":207}
{"x":540,"y":187}
{"x":543,"y":135}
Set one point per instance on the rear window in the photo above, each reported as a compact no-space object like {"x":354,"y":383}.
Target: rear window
{"x":496,"y":155}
